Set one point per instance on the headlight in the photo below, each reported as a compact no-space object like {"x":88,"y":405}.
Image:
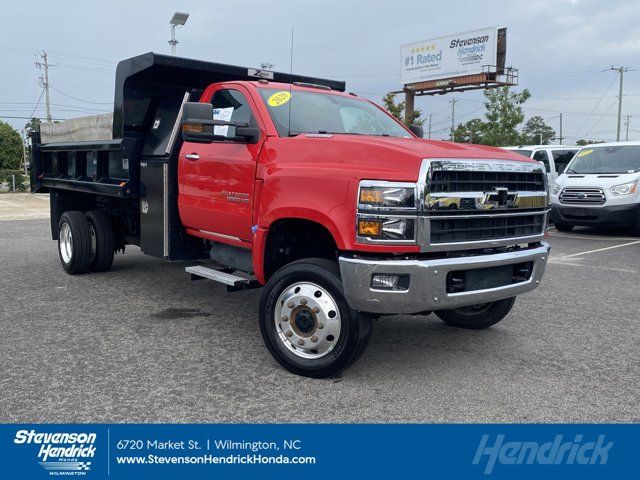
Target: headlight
{"x":625,"y":188}
{"x":555,"y":189}
{"x":391,"y":229}
{"x":386,"y":196}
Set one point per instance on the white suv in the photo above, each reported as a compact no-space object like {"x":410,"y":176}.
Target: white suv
{"x":599,"y":188}
{"x":554,"y":157}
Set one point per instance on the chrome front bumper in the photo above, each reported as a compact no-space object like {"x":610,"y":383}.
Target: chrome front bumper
{"x":427,"y":289}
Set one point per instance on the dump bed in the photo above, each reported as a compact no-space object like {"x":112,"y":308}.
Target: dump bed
{"x":149,"y":92}
{"x":136,"y":169}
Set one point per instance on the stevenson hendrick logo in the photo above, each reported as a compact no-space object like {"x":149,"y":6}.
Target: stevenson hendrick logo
{"x":61,"y":453}
{"x":555,"y":452}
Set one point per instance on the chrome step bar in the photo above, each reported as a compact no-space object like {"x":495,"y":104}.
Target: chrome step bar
{"x":233,"y":282}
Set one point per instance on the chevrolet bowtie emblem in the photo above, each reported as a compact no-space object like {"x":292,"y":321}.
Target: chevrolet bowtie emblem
{"x":501,"y":198}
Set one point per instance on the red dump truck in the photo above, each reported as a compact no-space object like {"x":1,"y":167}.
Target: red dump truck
{"x":285,"y":182}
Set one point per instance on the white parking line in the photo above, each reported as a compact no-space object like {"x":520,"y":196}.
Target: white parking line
{"x":555,"y":233}
{"x":600,"y":249}
{"x":599,"y":267}
{"x":587,"y":237}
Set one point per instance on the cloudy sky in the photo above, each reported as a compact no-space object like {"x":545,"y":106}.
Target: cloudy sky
{"x":561,"y":48}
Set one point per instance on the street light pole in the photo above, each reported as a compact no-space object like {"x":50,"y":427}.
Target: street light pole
{"x":178,"y":19}
{"x":173,"y":42}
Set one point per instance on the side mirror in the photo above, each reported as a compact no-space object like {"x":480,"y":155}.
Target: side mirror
{"x":198,"y":126}
{"x":249,"y":134}
{"x":417,"y":130}
{"x":195,"y":122}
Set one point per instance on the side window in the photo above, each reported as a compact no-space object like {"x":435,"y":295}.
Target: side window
{"x":541,"y":156}
{"x":562,"y":158}
{"x":231,"y":106}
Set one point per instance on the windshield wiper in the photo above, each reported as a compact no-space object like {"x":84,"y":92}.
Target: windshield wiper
{"x":570,"y":170}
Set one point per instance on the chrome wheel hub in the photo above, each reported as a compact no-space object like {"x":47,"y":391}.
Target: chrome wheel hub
{"x":307,"y":320}
{"x":66,"y":243}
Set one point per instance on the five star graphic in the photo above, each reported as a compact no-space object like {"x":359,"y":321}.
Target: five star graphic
{"x":424,"y":48}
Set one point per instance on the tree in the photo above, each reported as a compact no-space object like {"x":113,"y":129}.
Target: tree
{"x":11,"y":147}
{"x":470,"y":132}
{"x":537,"y":132}
{"x":504,"y":114}
{"x":32,"y":125}
{"x":397,"y":110}
{"x":583,"y":142}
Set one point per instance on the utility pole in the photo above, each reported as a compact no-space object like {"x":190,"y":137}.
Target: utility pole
{"x":25,"y":139}
{"x":453,"y":102}
{"x":560,"y":137}
{"x":44,"y":81}
{"x":621,"y":71}
{"x":430,"y":115}
{"x":627,"y":125}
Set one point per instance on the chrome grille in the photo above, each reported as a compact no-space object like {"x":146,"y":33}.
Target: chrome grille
{"x":482,"y":203}
{"x":451,"y":230}
{"x":583,"y":196}
{"x":452,"y":181}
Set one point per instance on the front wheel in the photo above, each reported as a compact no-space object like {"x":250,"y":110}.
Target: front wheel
{"x":477,"y":317}
{"x":563,"y":227}
{"x":306,"y":322}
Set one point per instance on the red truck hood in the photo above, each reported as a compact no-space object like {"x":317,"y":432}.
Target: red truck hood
{"x":391,"y":158}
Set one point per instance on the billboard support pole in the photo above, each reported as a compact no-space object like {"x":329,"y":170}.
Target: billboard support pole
{"x":409,"y":103}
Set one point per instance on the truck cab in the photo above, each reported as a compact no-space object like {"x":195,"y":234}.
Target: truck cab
{"x":339,"y":212}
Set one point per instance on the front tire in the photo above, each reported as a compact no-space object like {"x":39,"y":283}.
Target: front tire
{"x":74,"y":242}
{"x":563,"y":227}
{"x":306,"y":322}
{"x":477,"y":317}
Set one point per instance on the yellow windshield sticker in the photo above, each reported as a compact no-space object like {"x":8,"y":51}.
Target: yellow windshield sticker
{"x":584,"y":153}
{"x":279,"y":98}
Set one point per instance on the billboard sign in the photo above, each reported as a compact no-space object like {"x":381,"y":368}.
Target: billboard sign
{"x":451,"y":56}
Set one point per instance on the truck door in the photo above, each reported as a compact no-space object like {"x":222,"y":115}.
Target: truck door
{"x":216,"y":180}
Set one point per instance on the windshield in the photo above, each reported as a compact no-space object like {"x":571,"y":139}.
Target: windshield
{"x":526,"y":153}
{"x":313,"y":112}
{"x":618,"y":159}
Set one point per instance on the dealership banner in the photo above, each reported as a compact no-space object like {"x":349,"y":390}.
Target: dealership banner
{"x":98,"y":451}
{"x":447,"y":57}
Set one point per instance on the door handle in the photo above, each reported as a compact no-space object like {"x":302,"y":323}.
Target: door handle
{"x":192,"y":156}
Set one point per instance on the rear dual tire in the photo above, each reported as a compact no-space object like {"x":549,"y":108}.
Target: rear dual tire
{"x":85,"y":242}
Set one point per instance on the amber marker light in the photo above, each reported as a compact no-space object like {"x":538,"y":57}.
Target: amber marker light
{"x":370,"y":195}
{"x":193,"y":127}
{"x":369,"y":228}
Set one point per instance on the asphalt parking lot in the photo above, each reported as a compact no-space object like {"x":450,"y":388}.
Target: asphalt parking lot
{"x":142,"y":343}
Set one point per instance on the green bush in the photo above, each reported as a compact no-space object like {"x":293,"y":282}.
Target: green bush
{"x":22,"y":181}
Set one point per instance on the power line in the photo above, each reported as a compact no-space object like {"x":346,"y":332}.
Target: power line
{"x":79,"y":99}
{"x":37,"y":103}
{"x":596,"y":106}
{"x":599,"y":119}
